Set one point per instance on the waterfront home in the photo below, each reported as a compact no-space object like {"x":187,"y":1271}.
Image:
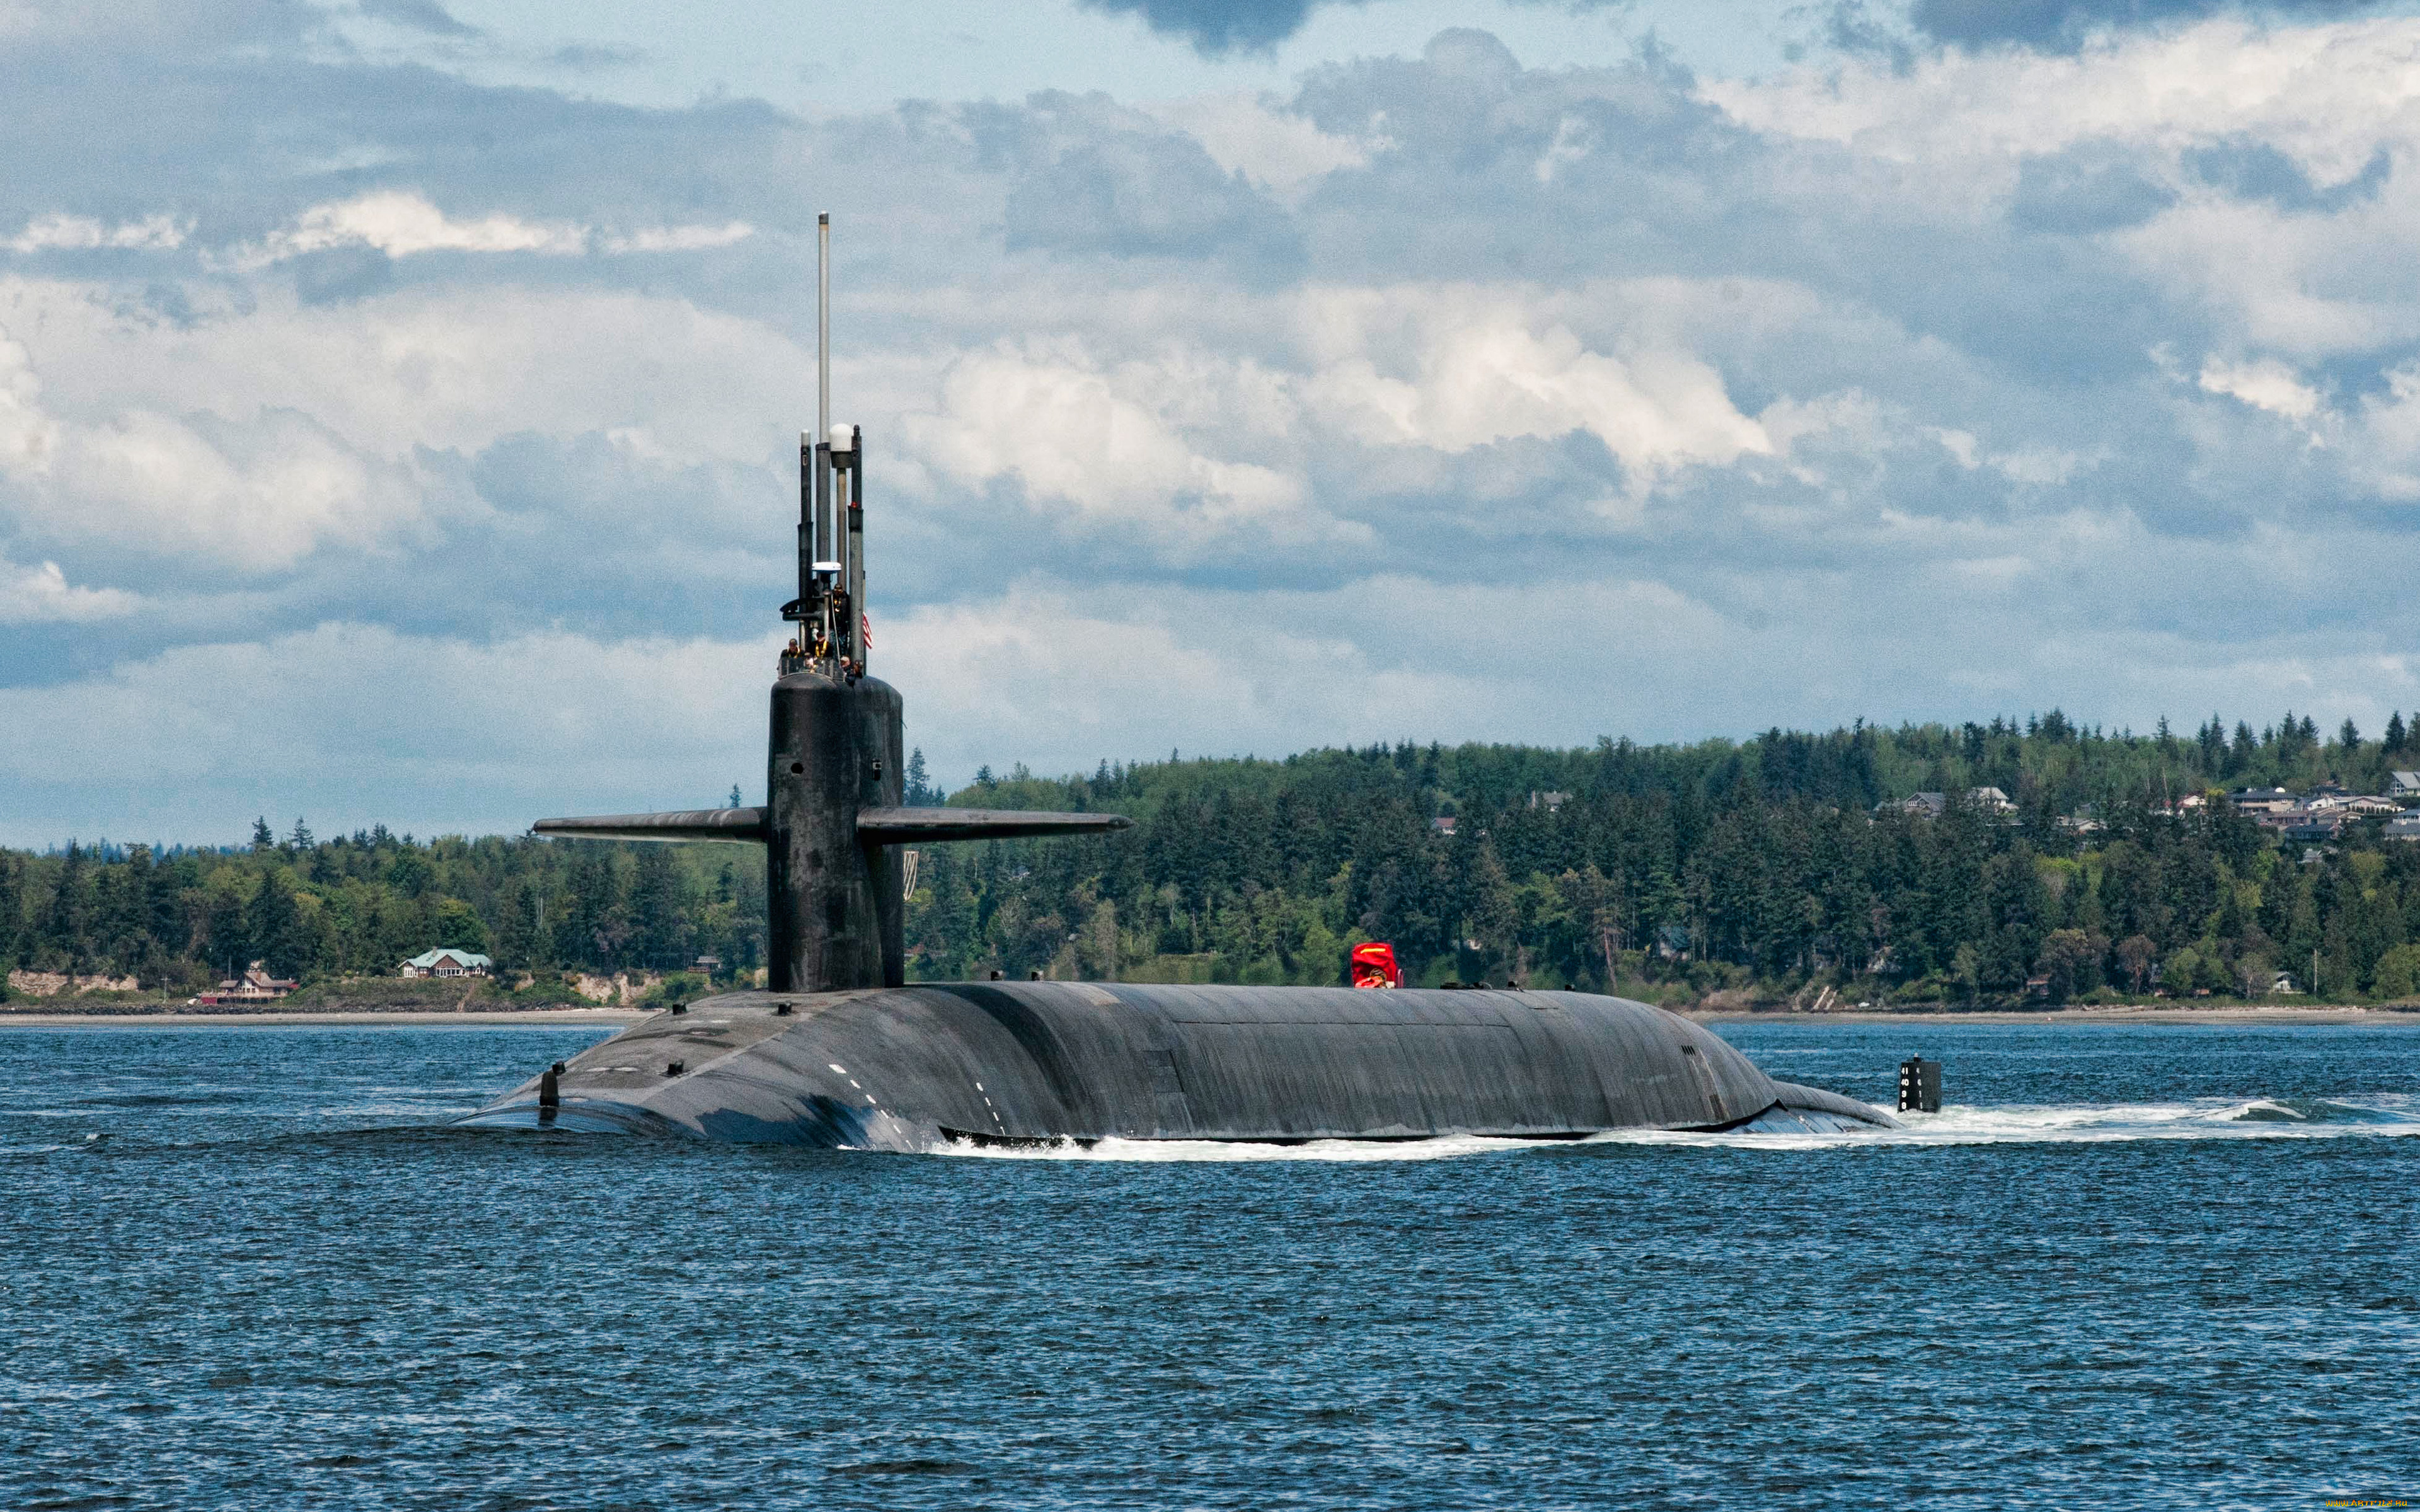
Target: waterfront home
{"x":447,"y":964}
{"x":255,"y":986}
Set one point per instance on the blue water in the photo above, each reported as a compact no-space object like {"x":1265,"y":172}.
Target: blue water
{"x":2135,"y":1266}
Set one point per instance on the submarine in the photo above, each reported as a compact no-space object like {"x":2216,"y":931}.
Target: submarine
{"x":840,"y":1050}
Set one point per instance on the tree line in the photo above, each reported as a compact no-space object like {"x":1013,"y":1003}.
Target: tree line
{"x":1759,"y":866}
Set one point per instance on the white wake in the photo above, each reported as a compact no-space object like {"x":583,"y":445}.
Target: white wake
{"x":1955,"y":1124}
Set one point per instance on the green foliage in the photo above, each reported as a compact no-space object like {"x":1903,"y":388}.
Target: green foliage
{"x":1760,"y":864}
{"x":2398,"y":973}
{"x":1659,"y":872}
{"x":358,"y":906}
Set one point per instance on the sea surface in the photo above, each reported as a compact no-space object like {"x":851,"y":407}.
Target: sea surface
{"x":2127,"y":1266}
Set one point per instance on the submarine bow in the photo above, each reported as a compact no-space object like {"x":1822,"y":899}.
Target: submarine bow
{"x":841,"y":1050}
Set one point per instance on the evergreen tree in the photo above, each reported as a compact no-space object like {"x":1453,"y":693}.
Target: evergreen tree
{"x":299,"y":840}
{"x":71,"y":911}
{"x":1493,"y":920}
{"x":658,"y":934}
{"x":595,"y":923}
{"x":12,"y":908}
{"x":224,"y":934}
{"x":735,"y":802}
{"x":273,"y":924}
{"x":2395,"y":733}
{"x":516,"y":944}
{"x":261,"y":837}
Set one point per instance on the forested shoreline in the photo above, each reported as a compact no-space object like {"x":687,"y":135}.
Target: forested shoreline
{"x":1759,"y":870}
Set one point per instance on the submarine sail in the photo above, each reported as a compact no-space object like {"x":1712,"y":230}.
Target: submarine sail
{"x":840,"y":1050}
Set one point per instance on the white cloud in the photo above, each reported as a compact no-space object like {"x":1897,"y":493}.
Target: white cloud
{"x":42,"y":596}
{"x":681,"y":237}
{"x":1478,"y":370}
{"x":2267,"y":384}
{"x":447,"y":368}
{"x":1069,"y":431}
{"x":1700,"y":429}
{"x":2309,"y":108}
{"x":363,"y":723}
{"x":1256,"y":137}
{"x":2043,"y":466}
{"x":2322,"y":94}
{"x":1574,"y":140}
{"x":402,"y":225}
{"x":2385,"y":437}
{"x":256,"y":496}
{"x":61,"y":232}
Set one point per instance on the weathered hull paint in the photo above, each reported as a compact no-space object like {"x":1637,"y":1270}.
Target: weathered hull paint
{"x":912,"y":1067}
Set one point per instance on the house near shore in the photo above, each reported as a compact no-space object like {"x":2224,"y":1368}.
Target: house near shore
{"x":447,"y":964}
{"x":1934,"y":805}
{"x":2404,"y":785}
{"x":255,"y":986}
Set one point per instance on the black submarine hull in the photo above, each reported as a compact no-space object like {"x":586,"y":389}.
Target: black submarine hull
{"x":916,"y":1068}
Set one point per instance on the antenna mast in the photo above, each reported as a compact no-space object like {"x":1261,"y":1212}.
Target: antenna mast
{"x":829,"y":609}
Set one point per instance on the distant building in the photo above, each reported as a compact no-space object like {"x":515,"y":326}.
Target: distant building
{"x":2406,"y":826}
{"x":255,"y":986}
{"x":2261,"y":800}
{"x":1934,"y":805}
{"x":2404,"y":785}
{"x":447,"y":964}
{"x":1442,"y":823}
{"x":1551,"y":802}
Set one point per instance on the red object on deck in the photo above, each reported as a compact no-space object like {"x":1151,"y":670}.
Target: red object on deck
{"x":1373,"y":966}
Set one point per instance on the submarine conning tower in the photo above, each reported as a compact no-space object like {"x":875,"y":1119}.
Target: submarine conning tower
{"x":831,"y":822}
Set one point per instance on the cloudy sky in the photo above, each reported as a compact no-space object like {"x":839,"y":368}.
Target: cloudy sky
{"x":398,"y":398}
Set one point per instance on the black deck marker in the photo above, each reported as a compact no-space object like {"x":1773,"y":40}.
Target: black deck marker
{"x":1919,"y":1085}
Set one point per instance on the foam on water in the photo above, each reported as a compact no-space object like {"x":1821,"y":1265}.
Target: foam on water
{"x":1955,"y":1124}
{"x":2086,"y":1123}
{"x":1449,"y":1147}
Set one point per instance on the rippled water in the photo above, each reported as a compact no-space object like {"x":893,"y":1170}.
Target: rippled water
{"x":245,"y":1267}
